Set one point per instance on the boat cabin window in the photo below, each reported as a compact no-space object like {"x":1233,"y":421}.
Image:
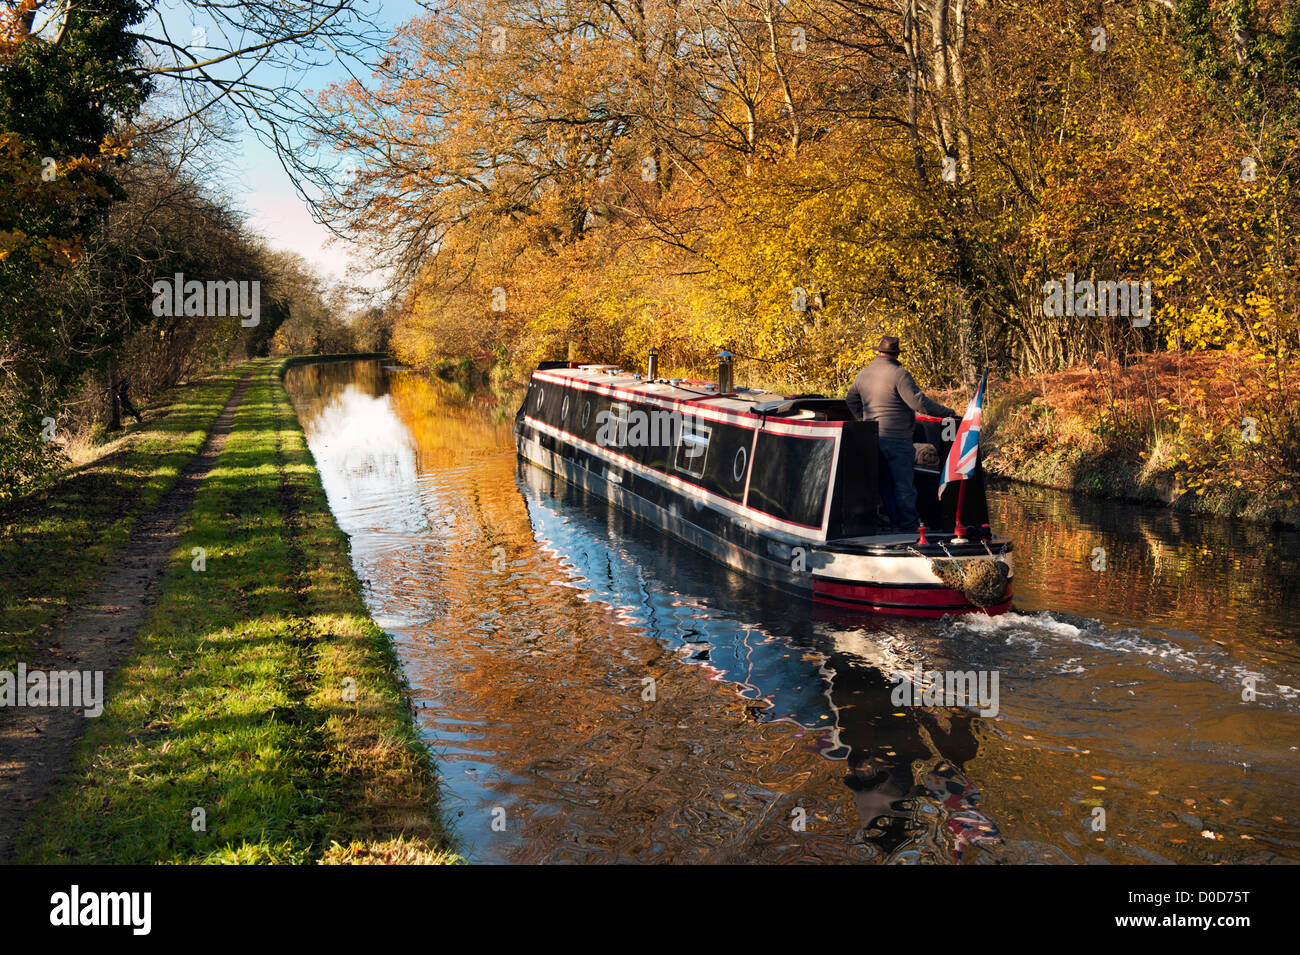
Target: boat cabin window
{"x":618,"y":423}
{"x":693,"y":447}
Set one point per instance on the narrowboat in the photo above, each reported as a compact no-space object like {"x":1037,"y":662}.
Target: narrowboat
{"x":781,"y":488}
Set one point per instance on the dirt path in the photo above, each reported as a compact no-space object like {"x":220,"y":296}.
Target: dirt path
{"x":36,"y":743}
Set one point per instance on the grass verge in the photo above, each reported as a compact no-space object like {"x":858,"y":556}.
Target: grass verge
{"x":232,"y":733}
{"x":55,"y":540}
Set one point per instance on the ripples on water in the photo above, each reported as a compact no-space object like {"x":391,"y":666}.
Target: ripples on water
{"x":595,"y":693}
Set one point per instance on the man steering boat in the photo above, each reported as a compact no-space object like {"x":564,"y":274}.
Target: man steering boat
{"x":885,"y":392}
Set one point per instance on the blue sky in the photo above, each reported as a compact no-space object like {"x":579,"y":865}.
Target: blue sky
{"x":258,"y":184}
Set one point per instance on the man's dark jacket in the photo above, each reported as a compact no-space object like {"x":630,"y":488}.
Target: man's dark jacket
{"x":885,"y":393}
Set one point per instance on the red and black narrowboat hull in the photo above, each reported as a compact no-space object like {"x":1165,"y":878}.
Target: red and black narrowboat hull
{"x":781,"y":489}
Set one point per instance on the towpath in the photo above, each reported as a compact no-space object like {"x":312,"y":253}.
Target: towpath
{"x":36,"y":743}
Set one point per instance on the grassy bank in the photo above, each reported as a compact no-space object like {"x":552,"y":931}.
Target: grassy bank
{"x":1173,"y":430}
{"x":55,"y":541}
{"x":237,"y":699}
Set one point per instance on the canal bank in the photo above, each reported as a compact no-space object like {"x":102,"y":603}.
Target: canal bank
{"x":260,"y":715}
{"x":1169,"y":431}
{"x":85,"y":517}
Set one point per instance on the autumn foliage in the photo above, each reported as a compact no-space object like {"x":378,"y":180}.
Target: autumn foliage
{"x":791,"y":180}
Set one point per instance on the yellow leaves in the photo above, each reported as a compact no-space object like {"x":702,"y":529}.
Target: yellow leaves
{"x":69,"y":249}
{"x":44,"y":249}
{"x":9,"y":241}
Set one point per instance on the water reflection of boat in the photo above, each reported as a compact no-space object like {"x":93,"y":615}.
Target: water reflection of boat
{"x":796,"y":662}
{"x":782,"y":489}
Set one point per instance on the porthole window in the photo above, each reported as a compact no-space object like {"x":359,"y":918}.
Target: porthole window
{"x":564,"y":409}
{"x":738,"y":467}
{"x":540,"y":400}
{"x":586,"y":414}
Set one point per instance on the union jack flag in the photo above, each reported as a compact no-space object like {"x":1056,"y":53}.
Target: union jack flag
{"x":966,"y":445}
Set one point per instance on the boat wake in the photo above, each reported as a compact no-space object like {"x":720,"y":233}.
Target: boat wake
{"x":1065,"y":644}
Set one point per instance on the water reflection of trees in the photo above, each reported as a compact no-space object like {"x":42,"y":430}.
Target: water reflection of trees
{"x":316,"y":386}
{"x":449,"y":426}
{"x":1212,"y":577}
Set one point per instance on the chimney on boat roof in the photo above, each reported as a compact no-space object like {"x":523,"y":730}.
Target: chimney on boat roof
{"x":652,"y":370}
{"x":724,"y":372}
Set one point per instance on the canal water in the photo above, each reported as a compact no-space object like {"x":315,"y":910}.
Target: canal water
{"x":594,"y":693}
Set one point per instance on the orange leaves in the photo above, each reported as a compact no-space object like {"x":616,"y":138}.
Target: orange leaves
{"x":15,"y":25}
{"x":35,"y":190}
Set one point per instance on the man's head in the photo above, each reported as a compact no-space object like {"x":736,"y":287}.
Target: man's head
{"x":888,"y":346}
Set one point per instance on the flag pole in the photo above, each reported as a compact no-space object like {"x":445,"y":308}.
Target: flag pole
{"x":959,"y":528}
{"x":953,"y":465}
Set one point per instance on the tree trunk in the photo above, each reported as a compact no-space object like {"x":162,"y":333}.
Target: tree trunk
{"x":911,"y":48}
{"x":796,"y":128}
{"x":957,"y":73}
{"x":939,"y":77}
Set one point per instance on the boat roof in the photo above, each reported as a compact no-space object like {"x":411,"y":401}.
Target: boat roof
{"x":610,"y":378}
